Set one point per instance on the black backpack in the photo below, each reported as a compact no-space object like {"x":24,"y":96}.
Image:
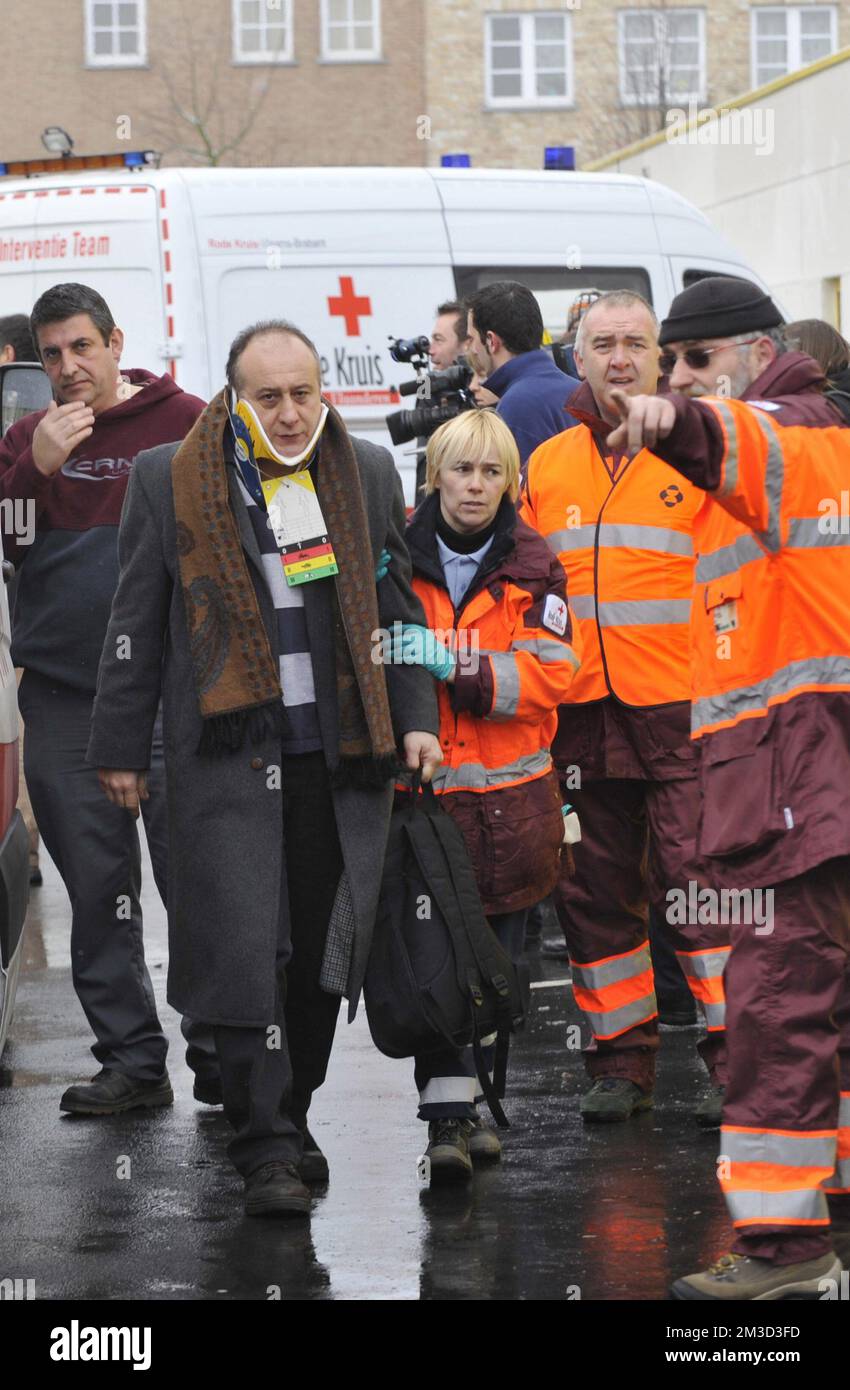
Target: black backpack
{"x":437,"y":976}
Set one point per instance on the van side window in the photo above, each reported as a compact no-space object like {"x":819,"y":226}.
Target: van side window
{"x":690,"y":277}
{"x":554,"y":287}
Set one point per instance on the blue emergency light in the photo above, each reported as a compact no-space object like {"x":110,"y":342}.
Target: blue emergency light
{"x":456,"y":161}
{"x":560,"y":157}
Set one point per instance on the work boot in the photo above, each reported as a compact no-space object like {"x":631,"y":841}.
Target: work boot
{"x":448,"y":1150}
{"x":554,"y":948}
{"x":483,"y":1143}
{"x":709,"y":1112}
{"x":614,"y":1098}
{"x":276,"y":1189}
{"x":111,"y":1092}
{"x":313,"y":1165}
{"x":735,"y":1277}
{"x":207,"y":1090}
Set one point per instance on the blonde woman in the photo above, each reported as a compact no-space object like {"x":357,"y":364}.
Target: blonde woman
{"x":499,"y":642}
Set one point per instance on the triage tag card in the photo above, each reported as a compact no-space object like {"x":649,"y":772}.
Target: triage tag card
{"x":299,"y":528}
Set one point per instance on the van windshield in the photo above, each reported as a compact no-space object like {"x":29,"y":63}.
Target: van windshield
{"x":554,"y":288}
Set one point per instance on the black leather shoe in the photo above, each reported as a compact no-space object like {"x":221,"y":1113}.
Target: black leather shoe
{"x":313,"y":1165}
{"x":276,"y":1189}
{"x":554,"y":948}
{"x":208,"y":1090}
{"x":111,"y":1092}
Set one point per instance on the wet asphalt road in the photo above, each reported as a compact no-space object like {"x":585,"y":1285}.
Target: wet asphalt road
{"x":610,"y":1212}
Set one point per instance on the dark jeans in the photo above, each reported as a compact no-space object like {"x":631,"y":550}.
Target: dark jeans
{"x":446,"y":1081}
{"x":95,"y":847}
{"x":267,"y":1089}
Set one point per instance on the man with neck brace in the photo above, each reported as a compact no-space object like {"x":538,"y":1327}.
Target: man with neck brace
{"x":250,"y":556}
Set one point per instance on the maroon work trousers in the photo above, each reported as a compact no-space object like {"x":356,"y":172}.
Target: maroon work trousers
{"x":638,"y":842}
{"x":788,"y":1030}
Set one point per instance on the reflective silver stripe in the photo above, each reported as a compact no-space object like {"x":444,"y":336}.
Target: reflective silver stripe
{"x":506,"y":675}
{"x":844,"y":1110}
{"x":476,"y":777}
{"x":615,"y":533}
{"x":448,"y":1090}
{"x":547,"y":650}
{"x":839,"y":1180}
{"x":637,"y":612}
{"x":612,"y":972}
{"x":715,"y":1015}
{"x":730,"y":481}
{"x":583,"y":605}
{"x":774,"y":481}
{"x":571,"y":538}
{"x":804,"y":532}
{"x":715,"y":709}
{"x":728,"y":559}
{"x":806,"y":1204}
{"x":706,"y":966}
{"x":785,"y":1150}
{"x":620,"y":1020}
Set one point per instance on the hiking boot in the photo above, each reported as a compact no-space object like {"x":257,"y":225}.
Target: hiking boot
{"x":483,"y":1143}
{"x":448,"y":1150}
{"x":207,"y":1090}
{"x":614,"y":1098}
{"x":742,"y":1276}
{"x":313,"y":1166}
{"x":111,"y":1092}
{"x":709,"y":1112}
{"x":276,"y":1189}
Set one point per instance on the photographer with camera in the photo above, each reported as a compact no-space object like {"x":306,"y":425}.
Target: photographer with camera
{"x":440,"y":396}
{"x":505,"y":333}
{"x":449,"y":336}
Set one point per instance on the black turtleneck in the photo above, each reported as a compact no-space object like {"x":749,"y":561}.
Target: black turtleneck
{"x":463,"y":544}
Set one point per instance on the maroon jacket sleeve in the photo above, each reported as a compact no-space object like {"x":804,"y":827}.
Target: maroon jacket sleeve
{"x":694,"y":446}
{"x":19,"y":477}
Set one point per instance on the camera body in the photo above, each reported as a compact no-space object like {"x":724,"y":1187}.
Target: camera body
{"x":441,"y":395}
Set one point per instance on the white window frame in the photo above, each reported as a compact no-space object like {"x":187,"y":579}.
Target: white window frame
{"x":116,"y":60}
{"x":792,"y":36}
{"x":528,"y":100}
{"x":282,"y":55}
{"x":634,"y":98}
{"x":374,"y":54}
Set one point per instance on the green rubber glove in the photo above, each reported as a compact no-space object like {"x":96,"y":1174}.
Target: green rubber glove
{"x":383,"y":566}
{"x":417,"y":646}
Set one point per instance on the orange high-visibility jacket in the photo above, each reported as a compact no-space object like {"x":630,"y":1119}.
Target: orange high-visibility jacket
{"x":626,"y":545}
{"x":517,"y":656}
{"x":771,"y":616}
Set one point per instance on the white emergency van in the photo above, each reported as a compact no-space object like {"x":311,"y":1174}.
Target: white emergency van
{"x":188,"y":257}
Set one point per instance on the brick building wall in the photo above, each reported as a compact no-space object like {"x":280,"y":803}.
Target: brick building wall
{"x":313,"y":112}
{"x":596,"y":122}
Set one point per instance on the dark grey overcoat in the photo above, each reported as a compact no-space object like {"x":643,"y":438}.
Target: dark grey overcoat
{"x":225,"y":820}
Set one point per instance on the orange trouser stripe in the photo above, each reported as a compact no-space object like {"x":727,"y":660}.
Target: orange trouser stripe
{"x":615,"y":996}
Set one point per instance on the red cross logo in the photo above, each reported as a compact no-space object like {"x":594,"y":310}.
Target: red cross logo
{"x":349,"y":306}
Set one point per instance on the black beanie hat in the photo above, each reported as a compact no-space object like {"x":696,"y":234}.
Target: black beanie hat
{"x":718,"y":307}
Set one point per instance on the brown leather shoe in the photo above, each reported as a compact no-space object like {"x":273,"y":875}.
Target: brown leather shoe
{"x":276,"y":1189}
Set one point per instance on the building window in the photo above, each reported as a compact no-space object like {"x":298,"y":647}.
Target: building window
{"x":262,"y":33}
{"x":351,"y":31}
{"x":529,"y":59}
{"x":116,"y":33}
{"x":789,"y":38}
{"x":662,"y":57}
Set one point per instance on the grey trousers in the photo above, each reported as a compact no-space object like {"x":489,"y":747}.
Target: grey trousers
{"x":95,"y":847}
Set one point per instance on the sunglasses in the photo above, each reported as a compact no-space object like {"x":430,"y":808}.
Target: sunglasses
{"x":695,"y":357}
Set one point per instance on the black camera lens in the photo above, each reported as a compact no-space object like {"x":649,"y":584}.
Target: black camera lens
{"x":405,"y":349}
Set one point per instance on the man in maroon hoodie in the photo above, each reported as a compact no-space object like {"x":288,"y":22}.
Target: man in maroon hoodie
{"x":66,"y":471}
